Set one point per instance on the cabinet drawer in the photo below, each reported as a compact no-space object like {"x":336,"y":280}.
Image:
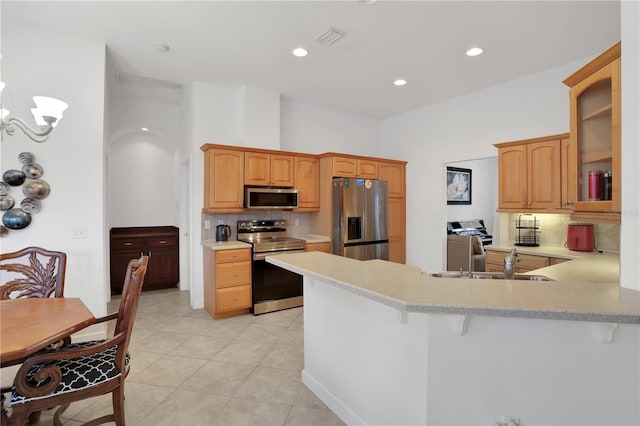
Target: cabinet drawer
{"x":162,"y":242}
{"x":235,"y":255}
{"x":529,"y":263}
{"x":233,"y":274}
{"x":127,"y":244}
{"x":495,"y":257}
{"x":232,"y":298}
{"x":324,"y":247}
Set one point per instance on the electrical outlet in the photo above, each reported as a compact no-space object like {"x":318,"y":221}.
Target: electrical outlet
{"x":510,"y":421}
{"x":79,"y":233}
{"x":297,"y":222}
{"x":207,"y":224}
{"x":220,"y":221}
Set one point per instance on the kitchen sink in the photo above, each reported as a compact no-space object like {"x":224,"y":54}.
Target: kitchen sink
{"x":487,"y":276}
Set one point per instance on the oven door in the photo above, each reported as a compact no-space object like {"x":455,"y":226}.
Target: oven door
{"x":274,"y":288}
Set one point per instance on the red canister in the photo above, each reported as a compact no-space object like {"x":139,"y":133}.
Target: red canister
{"x":595,"y":186}
{"x":580,"y":237}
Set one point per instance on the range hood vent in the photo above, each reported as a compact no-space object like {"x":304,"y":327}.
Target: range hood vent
{"x":330,"y":37}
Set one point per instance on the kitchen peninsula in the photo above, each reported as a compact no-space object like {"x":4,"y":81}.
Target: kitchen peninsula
{"x":386,"y":344}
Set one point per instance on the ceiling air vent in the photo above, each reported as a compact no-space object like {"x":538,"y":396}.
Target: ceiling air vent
{"x":330,"y":36}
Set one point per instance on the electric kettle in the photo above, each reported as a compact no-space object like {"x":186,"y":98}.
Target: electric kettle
{"x":223,"y":232}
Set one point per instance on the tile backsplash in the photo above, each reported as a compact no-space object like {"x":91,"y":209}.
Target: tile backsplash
{"x":297,"y":223}
{"x":553,"y":231}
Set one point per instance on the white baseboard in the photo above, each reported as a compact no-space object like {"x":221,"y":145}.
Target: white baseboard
{"x":345,"y":413}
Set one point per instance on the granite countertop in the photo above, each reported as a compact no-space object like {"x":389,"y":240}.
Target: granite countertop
{"x":310,"y":238}
{"x":409,"y":290}
{"x":224,"y":245}
{"x":592,"y":267}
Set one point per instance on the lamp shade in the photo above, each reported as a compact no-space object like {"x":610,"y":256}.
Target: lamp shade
{"x":47,"y":107}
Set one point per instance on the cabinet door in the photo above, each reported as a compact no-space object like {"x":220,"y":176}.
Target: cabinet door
{"x":324,"y":247}
{"x":257,"y":169}
{"x":163,"y":269}
{"x":344,"y":167}
{"x":223,"y":179}
{"x":118,"y":262}
{"x":595,"y":129}
{"x":568,"y":174}
{"x":543,"y":175}
{"x":281,"y":170}
{"x":397,"y":230}
{"x":367,"y":169}
{"x":394,"y":174}
{"x":512,"y":177}
{"x":307,"y":182}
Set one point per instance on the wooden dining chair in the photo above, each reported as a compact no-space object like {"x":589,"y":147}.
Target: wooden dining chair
{"x":27,"y":276}
{"x":79,"y":371}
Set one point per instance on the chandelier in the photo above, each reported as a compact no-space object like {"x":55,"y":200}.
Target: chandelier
{"x":47,"y":113}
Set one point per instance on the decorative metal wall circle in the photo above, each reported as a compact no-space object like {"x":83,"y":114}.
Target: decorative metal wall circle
{"x":31,"y":205}
{"x":16,"y":219}
{"x":6,"y":202}
{"x":32,"y":171}
{"x":33,"y":187}
{"x":26,"y":157}
{"x":36,"y":188}
{"x":14,"y":177}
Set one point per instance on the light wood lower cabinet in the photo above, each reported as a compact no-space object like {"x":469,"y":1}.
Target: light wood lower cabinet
{"x":324,"y":247}
{"x":526,"y":262}
{"x":227,"y":282}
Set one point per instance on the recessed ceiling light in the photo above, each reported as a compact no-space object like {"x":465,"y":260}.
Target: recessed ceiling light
{"x":474,"y":51}
{"x":400,"y":82}
{"x":144,"y":129}
{"x":300,"y":52}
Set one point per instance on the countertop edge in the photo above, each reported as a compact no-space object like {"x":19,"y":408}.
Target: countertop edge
{"x":405,"y":306}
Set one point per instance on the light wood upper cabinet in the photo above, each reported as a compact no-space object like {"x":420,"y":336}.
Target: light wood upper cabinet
{"x":543,"y":175}
{"x":264,"y":169}
{"x":595,"y":107}
{"x":568,"y":174}
{"x":530,"y":174}
{"x":307,"y":182}
{"x":393,"y":173}
{"x":355,"y":167}
{"x":367,"y":169}
{"x":223,"y":185}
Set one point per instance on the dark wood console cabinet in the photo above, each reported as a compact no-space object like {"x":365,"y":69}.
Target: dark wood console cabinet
{"x":160,"y":243}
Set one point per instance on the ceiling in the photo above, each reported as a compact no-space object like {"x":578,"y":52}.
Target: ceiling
{"x":250,"y":43}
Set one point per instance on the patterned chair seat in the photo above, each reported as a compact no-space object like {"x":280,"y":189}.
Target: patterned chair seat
{"x":77,"y":374}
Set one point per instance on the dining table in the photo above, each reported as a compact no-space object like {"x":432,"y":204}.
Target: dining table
{"x":30,"y":324}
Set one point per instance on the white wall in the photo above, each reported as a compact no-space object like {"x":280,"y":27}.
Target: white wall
{"x":312,"y":129}
{"x":466,"y":128}
{"x":143,"y":167}
{"x":629,"y":241}
{"x":72,"y":158}
{"x":261,"y":117}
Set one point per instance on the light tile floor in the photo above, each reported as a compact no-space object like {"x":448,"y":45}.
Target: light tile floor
{"x":188,"y":369}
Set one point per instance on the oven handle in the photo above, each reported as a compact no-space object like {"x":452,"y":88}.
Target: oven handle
{"x":262,"y":256}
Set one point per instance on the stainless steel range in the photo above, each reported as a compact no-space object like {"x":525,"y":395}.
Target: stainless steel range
{"x":273,"y":288}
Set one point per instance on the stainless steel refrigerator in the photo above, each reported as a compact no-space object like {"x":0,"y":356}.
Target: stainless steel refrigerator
{"x":360,"y":218}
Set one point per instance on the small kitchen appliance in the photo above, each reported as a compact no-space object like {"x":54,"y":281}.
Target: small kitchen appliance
{"x":580,"y":237}
{"x":223,"y":232}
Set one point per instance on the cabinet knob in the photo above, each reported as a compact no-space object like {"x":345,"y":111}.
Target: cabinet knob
{"x":163,"y":242}
{"x":127,"y":244}
{"x":235,"y":274}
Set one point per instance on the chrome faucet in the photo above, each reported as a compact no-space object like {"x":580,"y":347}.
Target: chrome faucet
{"x":510,"y":264}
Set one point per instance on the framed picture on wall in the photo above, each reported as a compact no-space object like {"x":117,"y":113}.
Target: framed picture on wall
{"x":458,"y":185}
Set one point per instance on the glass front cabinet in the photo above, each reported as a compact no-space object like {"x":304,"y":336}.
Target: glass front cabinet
{"x":595,"y":137}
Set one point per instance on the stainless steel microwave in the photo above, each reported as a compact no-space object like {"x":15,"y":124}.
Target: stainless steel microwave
{"x":270,"y":198}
